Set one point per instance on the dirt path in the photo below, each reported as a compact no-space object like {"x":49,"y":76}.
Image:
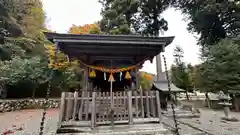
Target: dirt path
{"x":27,"y":122}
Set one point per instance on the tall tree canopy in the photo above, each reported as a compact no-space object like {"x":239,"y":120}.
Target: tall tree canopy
{"x":118,"y":15}
{"x":133,"y":16}
{"x":212,"y":19}
{"x":26,"y":16}
{"x":180,"y":72}
{"x":221,"y":69}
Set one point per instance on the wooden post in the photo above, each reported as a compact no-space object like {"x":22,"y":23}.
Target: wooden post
{"x":112,"y":103}
{"x":130,"y":112}
{"x":137,"y":79}
{"x":86,"y":78}
{"x":75,"y":105}
{"x":69,"y":106}
{"x":147,"y":104}
{"x":93,"y":115}
{"x":159,"y":66}
{"x":62,"y":109}
{"x":80,"y":113}
{"x":158,"y":106}
{"x":142,"y":105}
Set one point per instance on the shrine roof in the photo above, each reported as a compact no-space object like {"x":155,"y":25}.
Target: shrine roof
{"x":99,"y":49}
{"x":130,"y":39}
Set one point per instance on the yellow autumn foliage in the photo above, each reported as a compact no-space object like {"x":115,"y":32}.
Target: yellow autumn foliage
{"x":147,"y":76}
{"x":85,"y":29}
{"x":58,"y":60}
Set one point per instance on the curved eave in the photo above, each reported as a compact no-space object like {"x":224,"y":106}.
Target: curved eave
{"x":131,"y":39}
{"x":88,"y":47}
{"x":163,"y":86}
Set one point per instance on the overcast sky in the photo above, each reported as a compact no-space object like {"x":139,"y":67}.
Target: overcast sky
{"x":61,"y":14}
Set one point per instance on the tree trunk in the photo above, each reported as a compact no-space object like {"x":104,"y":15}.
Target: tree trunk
{"x":33,"y":94}
{"x":187,"y":95}
{"x":207,"y":98}
{"x":234,"y":102}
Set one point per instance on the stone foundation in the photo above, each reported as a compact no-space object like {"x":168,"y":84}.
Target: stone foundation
{"x":11,"y":105}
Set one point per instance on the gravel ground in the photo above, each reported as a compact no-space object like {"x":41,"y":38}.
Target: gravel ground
{"x":209,"y":121}
{"x":29,"y":121}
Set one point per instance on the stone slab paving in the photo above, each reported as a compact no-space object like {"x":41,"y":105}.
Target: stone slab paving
{"x":29,"y":120}
{"x":211,"y":122}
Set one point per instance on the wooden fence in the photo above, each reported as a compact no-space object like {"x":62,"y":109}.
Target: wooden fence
{"x":98,"y":108}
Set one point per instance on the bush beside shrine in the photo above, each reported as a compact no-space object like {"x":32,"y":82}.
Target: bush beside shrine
{"x":11,"y":105}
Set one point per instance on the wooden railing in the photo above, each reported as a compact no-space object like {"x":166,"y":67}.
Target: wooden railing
{"x":95,"y":107}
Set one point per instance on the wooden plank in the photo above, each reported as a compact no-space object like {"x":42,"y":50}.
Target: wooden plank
{"x":152,"y":104}
{"x":117,"y":108}
{"x":75,"y":105}
{"x":62,"y":109}
{"x":93,"y":115}
{"x":103,"y":101}
{"x":137,"y":79}
{"x":136,"y":104}
{"x":141,"y":100}
{"x":87,"y":107}
{"x":158,"y":106}
{"x":107,"y":102}
{"x":69,"y":107}
{"x":87,"y":98}
{"x":125,"y":106}
{"x":130,"y":112}
{"x":147,"y":104}
{"x":121,"y":105}
{"x":80,"y":113}
{"x":97,"y":105}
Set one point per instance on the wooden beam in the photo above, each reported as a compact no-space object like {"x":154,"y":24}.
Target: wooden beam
{"x":97,"y":37}
{"x":137,"y":79}
{"x":114,"y":46}
{"x":111,"y":41}
{"x":119,"y":52}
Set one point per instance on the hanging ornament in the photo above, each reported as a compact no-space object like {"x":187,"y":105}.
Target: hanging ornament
{"x":127,"y":75}
{"x":105,"y":76}
{"x":92,"y":73}
{"x":111,"y":78}
{"x":120,"y":76}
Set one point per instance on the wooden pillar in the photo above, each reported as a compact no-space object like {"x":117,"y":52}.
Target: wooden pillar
{"x":75,"y":107}
{"x":158,"y":106}
{"x":62,"y":110}
{"x":130,"y":112}
{"x":137,"y":79}
{"x":85,"y":87}
{"x":93,"y":115}
{"x":159,"y":66}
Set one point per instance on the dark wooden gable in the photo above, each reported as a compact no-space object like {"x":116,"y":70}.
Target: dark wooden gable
{"x":109,"y":50}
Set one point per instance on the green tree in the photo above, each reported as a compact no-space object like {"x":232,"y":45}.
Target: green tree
{"x":27,"y":16}
{"x":7,"y":22}
{"x":180,"y":72}
{"x":34,"y":71}
{"x":197,"y":77}
{"x":221,"y":69}
{"x":212,"y":19}
{"x":118,"y":16}
{"x":150,"y":21}
{"x":133,"y":17}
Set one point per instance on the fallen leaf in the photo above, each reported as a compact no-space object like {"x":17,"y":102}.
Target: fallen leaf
{"x":7,"y":132}
{"x":19,"y":129}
